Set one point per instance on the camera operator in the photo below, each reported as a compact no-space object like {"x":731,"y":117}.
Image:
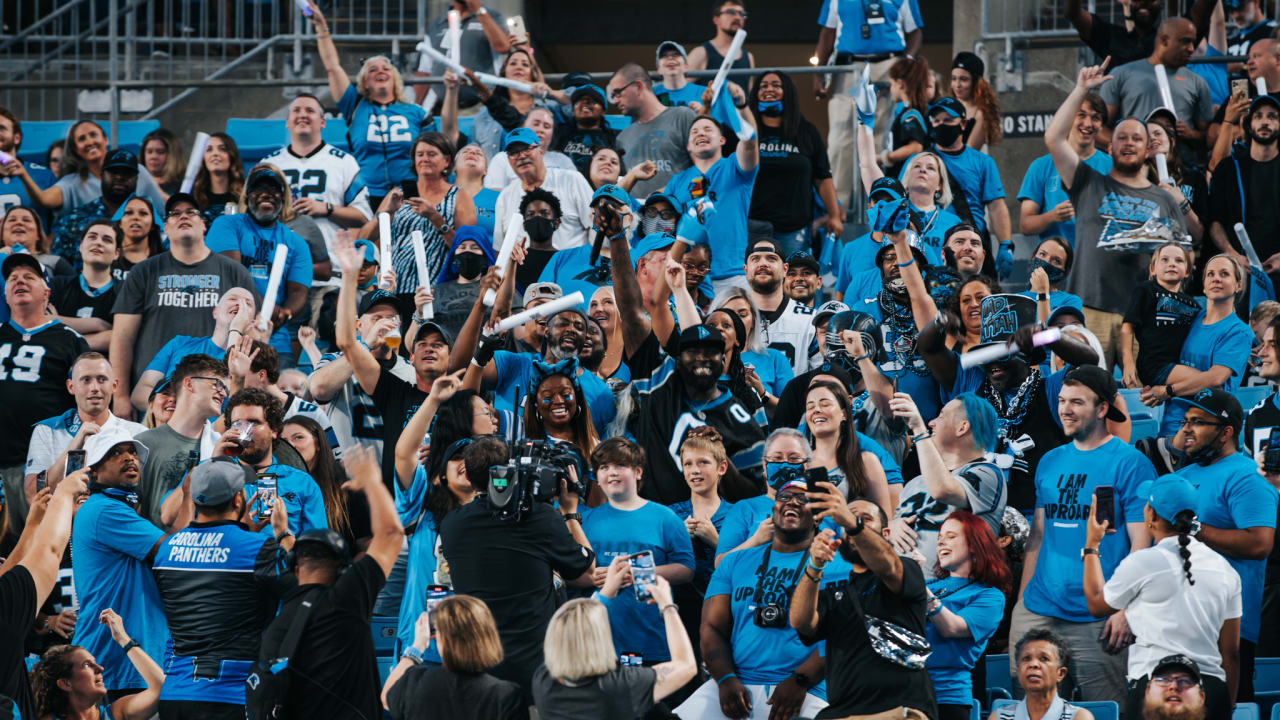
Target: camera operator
{"x":760,"y":667}
{"x":508,"y":561}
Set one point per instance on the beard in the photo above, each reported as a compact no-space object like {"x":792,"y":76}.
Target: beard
{"x":765,"y":287}
{"x":1268,"y":140}
{"x":1155,"y":710}
{"x":253,"y":456}
{"x":265,"y":218}
{"x":1085,"y":430}
{"x":592,"y":362}
{"x":696,"y":383}
{"x":558,"y":353}
{"x":847,"y":551}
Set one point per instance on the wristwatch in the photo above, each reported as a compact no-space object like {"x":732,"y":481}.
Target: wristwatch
{"x":445,"y":228}
{"x":328,"y":208}
{"x":802,"y":680}
{"x":1089,"y":551}
{"x":573,"y":516}
{"x":412,"y":654}
{"x":1169,"y":390}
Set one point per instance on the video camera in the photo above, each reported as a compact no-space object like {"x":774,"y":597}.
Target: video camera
{"x":533,"y":474}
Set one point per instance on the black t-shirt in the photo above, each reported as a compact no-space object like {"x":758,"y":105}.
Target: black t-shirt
{"x":622,"y":693}
{"x":1240,"y":39}
{"x":1262,"y":212}
{"x":530,"y":270}
{"x":909,"y":126}
{"x":1123,"y":46}
{"x":397,"y":400}
{"x":428,"y":693}
{"x":333,"y":671}
{"x":34,"y":368}
{"x":859,"y":681}
{"x":580,"y":144}
{"x":1161,"y":321}
{"x":508,"y":565}
{"x":68,"y":295}
{"x":17,"y":614}
{"x":789,"y":167}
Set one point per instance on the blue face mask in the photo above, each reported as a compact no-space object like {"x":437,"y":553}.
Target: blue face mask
{"x":772,"y":108}
{"x":1056,"y":274}
{"x":780,"y":472}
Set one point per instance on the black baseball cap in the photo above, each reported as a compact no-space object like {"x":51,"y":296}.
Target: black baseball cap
{"x":1178,"y":662}
{"x":887,"y":186}
{"x":121,"y":160}
{"x":327,"y":540}
{"x":970,"y":63}
{"x":1101,"y":383}
{"x":764,"y":244}
{"x":262,"y":175}
{"x":1218,"y":403}
{"x":378,"y":297}
{"x":431,"y":326}
{"x":700,"y":336}
{"x":21,"y":259}
{"x":803,"y":258}
{"x":948,"y":105}
{"x":180,"y":197}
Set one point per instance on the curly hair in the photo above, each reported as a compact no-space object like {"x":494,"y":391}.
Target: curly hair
{"x":54,"y":665}
{"x":258,"y":397}
{"x":985,"y":98}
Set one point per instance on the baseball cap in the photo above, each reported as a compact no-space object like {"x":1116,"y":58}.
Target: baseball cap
{"x":366,"y":247}
{"x":542,"y":291}
{"x":674,"y":201}
{"x":1267,"y":99}
{"x":970,"y":63}
{"x":180,"y":197}
{"x":949,"y":105}
{"x":219,"y":479}
{"x":165,"y":384}
{"x":261,"y":175}
{"x":519,"y":135}
{"x":121,"y":159}
{"x":1178,"y":662}
{"x":21,"y":259}
{"x":328,"y":539}
{"x":1163,"y":112}
{"x":1169,"y":495}
{"x":763,"y":244}
{"x":651,"y":242}
{"x":1101,"y":383}
{"x":97,"y":446}
{"x":827,"y":309}
{"x":575,"y":79}
{"x":613,"y":192}
{"x":700,"y":336}
{"x":431,"y":326}
{"x":666,"y":45}
{"x":1218,"y":403}
{"x":803,"y":258}
{"x":378,"y":297}
{"x":887,"y":186}
{"x":589,"y":90}
{"x":1061,"y":310}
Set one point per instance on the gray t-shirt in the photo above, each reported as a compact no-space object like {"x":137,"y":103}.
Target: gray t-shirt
{"x":1134,"y":92}
{"x":174,"y":298}
{"x":77,"y":192}
{"x":663,"y":140}
{"x":308,"y":229}
{"x":452,"y":304}
{"x":984,"y":487}
{"x":167,"y":459}
{"x":1105,"y":279}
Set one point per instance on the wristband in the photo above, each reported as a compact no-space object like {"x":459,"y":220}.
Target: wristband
{"x":818,"y":568}
{"x":726,"y":677}
{"x":668,"y":606}
{"x":418,"y":318}
{"x":283,"y":535}
{"x":934,"y":611}
{"x":861,"y":357}
{"x":1184,"y":207}
{"x":412,"y":654}
{"x":130,"y":645}
{"x":573,"y":516}
{"x":921,"y":437}
{"x":485,"y":350}
{"x":908,"y":263}
{"x":482,"y":11}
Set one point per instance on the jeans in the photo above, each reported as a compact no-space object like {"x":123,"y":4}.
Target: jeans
{"x":793,"y":242}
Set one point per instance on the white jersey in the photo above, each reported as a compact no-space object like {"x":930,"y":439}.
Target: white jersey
{"x":295,"y":406}
{"x":328,"y":175}
{"x":791,"y":334}
{"x":352,"y":414}
{"x":52,"y":436}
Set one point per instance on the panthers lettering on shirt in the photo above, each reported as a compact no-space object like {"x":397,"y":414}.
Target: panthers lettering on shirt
{"x":352,"y":414}
{"x":219,"y":583}
{"x":1259,"y":422}
{"x":326,"y":174}
{"x":791,"y":334}
{"x":34,"y":367}
{"x":295,"y":405}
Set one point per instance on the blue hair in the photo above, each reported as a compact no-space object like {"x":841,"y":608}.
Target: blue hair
{"x":982,"y":420}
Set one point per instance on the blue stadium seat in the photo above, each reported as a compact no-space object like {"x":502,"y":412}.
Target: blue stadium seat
{"x":617,"y":122}
{"x":386,"y":663}
{"x":999,"y":681}
{"x":384,"y":636}
{"x":1266,"y":674}
{"x":975,"y":713}
{"x":1251,"y":396}
{"x":257,"y":137}
{"x":335,"y":133}
{"x":1245,"y":711}
{"x":129,"y":134}
{"x":38,"y":135}
{"x":1146,"y":421}
{"x":467,"y":126}
{"x":1268,"y":703}
{"x":1101,"y":709}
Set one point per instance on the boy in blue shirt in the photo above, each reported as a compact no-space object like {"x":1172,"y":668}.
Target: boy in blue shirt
{"x":626,"y":525}
{"x":675,"y":90}
{"x":1045,"y":209}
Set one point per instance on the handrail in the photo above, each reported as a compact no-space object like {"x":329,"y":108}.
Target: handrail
{"x":26,"y":32}
{"x":56,"y":52}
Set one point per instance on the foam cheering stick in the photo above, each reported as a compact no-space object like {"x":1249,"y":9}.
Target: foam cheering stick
{"x":515,"y":228}
{"x":1166,"y":97}
{"x":541,"y":311}
{"x":273,"y":286}
{"x":384,"y":242}
{"x":455,"y":36}
{"x":729,"y":57}
{"x":426,"y":48}
{"x":5,"y":158}
{"x":1262,"y":85}
{"x":984,"y":355}
{"x":195,"y":161}
{"x":1162,"y":168}
{"x":304,"y":6}
{"x":1247,"y":245}
{"x":420,"y":259}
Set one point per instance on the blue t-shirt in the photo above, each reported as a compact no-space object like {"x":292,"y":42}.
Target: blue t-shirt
{"x":982,"y":608}
{"x":485,"y":201}
{"x":773,"y":368}
{"x":1227,"y":342}
{"x":180,"y":346}
{"x":13,"y":193}
{"x":704,"y":555}
{"x":741,"y":521}
{"x":1057,"y":299}
{"x":690,"y":93}
{"x":892,"y":470}
{"x":257,"y":248}
{"x":860,"y":35}
{"x":1233,"y":496}
{"x":976,"y":174}
{"x":572,"y":270}
{"x":515,"y":372}
{"x":637,"y":627}
{"x":730,"y":187}
{"x":1043,"y":186}
{"x":1065,"y":480}
{"x":381,"y":137}
{"x":420,"y":525}
{"x":302,"y":499}
{"x":110,"y":568}
{"x":767,"y":656}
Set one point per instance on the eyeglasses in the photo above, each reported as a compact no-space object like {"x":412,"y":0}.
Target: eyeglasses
{"x":790,"y":497}
{"x":615,"y":93}
{"x":521,"y":152}
{"x":653,"y":212}
{"x":189,"y":212}
{"x":1182,"y":681}
{"x":217,"y":382}
{"x":1195,"y":423}
{"x":793,"y":459}
{"x":735,"y":12}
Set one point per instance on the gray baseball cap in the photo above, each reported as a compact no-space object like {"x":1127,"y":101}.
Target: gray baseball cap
{"x":217,"y":480}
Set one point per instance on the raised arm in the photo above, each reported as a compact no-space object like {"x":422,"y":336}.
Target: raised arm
{"x":626,"y":287}
{"x":364,"y":365}
{"x":1065,"y":158}
{"x":867,"y":164}
{"x":45,"y":554}
{"x":939,"y":482}
{"x":142,"y":705}
{"x":682,"y":666}
{"x":449,"y":108}
{"x":1080,"y":19}
{"x":411,"y":436}
{"x":923,"y":309}
{"x":339,"y":81}
{"x":876,"y":552}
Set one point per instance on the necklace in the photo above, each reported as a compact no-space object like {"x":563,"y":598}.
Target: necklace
{"x":1011,"y":415}
{"x":900,"y":341}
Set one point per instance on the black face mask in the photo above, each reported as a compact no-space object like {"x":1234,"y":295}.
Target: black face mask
{"x":1055,"y":274}
{"x":540,"y":229}
{"x":946,"y":135}
{"x":470,"y":265}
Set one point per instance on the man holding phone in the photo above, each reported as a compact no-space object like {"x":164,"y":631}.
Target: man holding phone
{"x":1067,"y":479}
{"x":628,"y":525}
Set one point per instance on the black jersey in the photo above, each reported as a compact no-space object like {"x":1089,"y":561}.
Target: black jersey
{"x":1259,"y":421}
{"x":34,"y":367}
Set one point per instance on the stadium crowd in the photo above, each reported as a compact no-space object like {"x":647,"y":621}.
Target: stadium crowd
{"x":602,"y":421}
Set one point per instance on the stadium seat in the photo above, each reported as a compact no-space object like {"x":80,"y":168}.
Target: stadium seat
{"x":257,"y":137}
{"x":975,"y":713}
{"x":1266,"y":674}
{"x":335,"y":133}
{"x":467,"y":126}
{"x":386,"y":663}
{"x":999,"y":681}
{"x":1245,"y":711}
{"x":1251,"y":396}
{"x":38,"y":135}
{"x":1146,"y":420}
{"x":617,"y":122}
{"x":1101,"y":709}
{"x":129,"y":134}
{"x":384,"y":635}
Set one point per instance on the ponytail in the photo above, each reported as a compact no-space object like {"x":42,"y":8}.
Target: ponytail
{"x":1183,"y":524}
{"x":914,"y":74}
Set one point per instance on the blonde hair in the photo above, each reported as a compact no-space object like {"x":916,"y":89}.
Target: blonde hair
{"x":1242,"y":282}
{"x":579,"y":642}
{"x":397,"y":80}
{"x":466,"y":635}
{"x":944,"y":199}
{"x":286,"y":202}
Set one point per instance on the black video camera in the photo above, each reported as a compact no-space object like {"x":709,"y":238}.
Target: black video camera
{"x":533,"y":474}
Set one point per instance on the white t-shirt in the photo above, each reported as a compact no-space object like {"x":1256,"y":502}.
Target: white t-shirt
{"x":574,"y":193}
{"x":501,"y":175}
{"x":51,"y":436}
{"x":1167,"y":614}
{"x":327,"y":175}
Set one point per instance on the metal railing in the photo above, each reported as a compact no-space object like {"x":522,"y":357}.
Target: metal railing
{"x":1046,"y":19}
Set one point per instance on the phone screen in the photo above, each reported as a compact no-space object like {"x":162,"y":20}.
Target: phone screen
{"x":1105,"y":502}
{"x":75,"y":461}
{"x":1240,"y":87}
{"x":409,"y":188}
{"x":644,"y":574}
{"x":435,"y":593}
{"x":266,"y":494}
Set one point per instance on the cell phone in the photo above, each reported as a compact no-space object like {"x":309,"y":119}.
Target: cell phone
{"x":813,"y":476}
{"x":409,"y":188}
{"x":1104,"y":503}
{"x":1271,"y":453}
{"x":193,"y":459}
{"x":435,"y":593}
{"x":42,"y":480}
{"x":266,"y":494}
{"x":1240,"y":87}
{"x":631,"y":659}
{"x":515,"y":26}
{"x":644,"y":574}
{"x":75,"y":461}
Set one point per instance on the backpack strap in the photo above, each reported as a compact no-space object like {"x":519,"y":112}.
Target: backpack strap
{"x":294,"y":635}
